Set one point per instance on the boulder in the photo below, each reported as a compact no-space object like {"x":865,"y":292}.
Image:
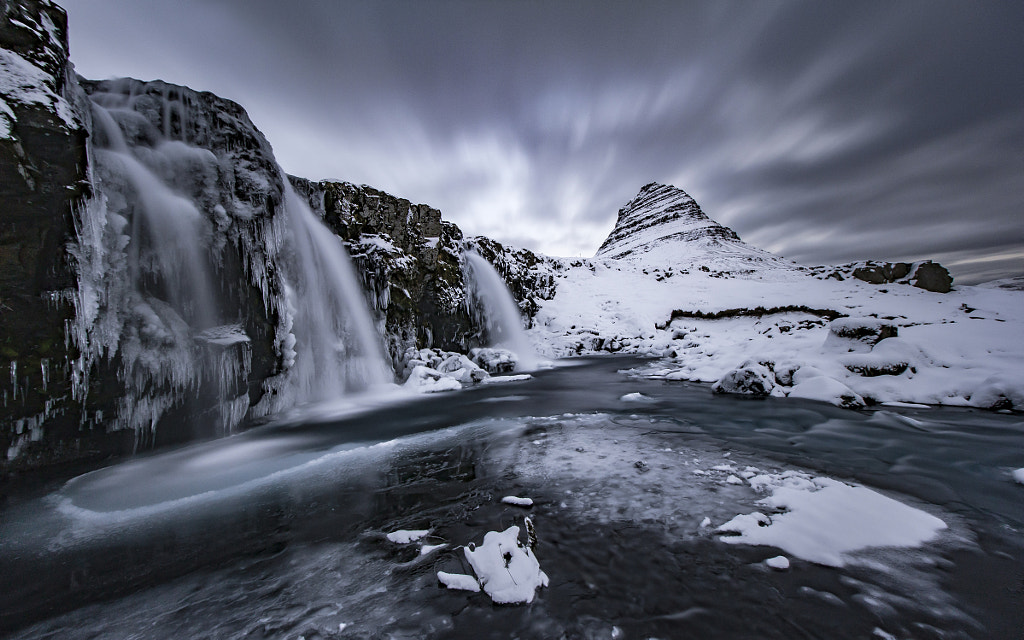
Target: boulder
{"x":827,"y":389}
{"x":928,"y":275}
{"x":494,"y":360}
{"x":858,"y":334}
{"x":999,"y":393}
{"x":932,"y":276}
{"x":750,"y":378}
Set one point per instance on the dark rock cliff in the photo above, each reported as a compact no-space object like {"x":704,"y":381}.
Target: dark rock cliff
{"x":408,"y":259}
{"x":42,"y":179}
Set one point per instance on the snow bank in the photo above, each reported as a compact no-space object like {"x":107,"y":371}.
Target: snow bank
{"x":822,"y":520}
{"x":827,"y":390}
{"x":709,"y":311}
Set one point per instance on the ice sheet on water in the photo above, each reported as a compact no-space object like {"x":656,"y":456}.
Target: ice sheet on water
{"x":824,"y":520}
{"x":405,"y":536}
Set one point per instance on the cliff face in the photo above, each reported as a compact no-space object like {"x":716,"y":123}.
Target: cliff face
{"x":408,"y":260}
{"x":42,"y":179}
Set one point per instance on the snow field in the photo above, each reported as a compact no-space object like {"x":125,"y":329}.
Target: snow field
{"x":961,"y":348}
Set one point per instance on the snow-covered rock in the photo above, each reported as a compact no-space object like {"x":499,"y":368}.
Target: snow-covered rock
{"x":750,"y":378}
{"x":506,"y":568}
{"x":458,"y":581}
{"x":858,"y":334}
{"x":423,"y":379}
{"x":405,"y":536}
{"x":1000,"y":392}
{"x":518,"y":501}
{"x":827,"y":389}
{"x":494,"y":360}
{"x":779,"y":563}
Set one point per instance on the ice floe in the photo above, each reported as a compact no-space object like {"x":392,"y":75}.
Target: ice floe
{"x":823,"y":520}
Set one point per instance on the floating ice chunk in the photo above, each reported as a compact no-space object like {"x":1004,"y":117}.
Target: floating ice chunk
{"x":824,"y":519}
{"x":520,"y":377}
{"x":459,"y":581}
{"x":733,"y":480}
{"x":635,"y":397}
{"x":506,"y":569}
{"x":405,"y":536}
{"x":1018,"y":475}
{"x":779,"y":563}
{"x":517,"y":501}
{"x":430,"y":548}
{"x":906,"y":405}
{"x":705,"y":523}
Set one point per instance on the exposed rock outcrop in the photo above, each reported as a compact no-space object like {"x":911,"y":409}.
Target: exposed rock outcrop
{"x":530,"y":276}
{"x":42,"y":180}
{"x":927,"y":275}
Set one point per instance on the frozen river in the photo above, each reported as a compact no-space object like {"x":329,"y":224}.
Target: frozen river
{"x":894,"y":522}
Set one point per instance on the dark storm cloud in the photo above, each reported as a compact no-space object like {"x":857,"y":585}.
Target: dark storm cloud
{"x":823,"y":131}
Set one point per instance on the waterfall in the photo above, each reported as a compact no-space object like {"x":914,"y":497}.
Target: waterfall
{"x":167,"y":243}
{"x":336,"y":347}
{"x":163,"y":294}
{"x":492,"y":304}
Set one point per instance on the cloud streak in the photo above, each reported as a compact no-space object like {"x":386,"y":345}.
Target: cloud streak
{"x":825,"y":132}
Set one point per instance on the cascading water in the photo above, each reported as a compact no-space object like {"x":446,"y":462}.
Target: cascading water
{"x":157,"y":289}
{"x":336,"y":347}
{"x":491,"y":303}
{"x":167,"y":229}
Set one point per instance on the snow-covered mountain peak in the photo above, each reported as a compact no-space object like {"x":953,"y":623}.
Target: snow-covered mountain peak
{"x":660,"y":213}
{"x":663,"y":224}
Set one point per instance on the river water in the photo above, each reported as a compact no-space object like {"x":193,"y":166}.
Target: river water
{"x":280,"y":532}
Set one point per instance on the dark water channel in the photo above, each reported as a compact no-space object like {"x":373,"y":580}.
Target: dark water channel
{"x":280,"y":532}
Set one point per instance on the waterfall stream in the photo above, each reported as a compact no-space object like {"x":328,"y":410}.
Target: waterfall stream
{"x":492,"y":304}
{"x":157,"y":289}
{"x":336,"y":345}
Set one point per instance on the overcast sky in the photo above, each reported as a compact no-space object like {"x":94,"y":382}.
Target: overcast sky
{"x":823,"y":131}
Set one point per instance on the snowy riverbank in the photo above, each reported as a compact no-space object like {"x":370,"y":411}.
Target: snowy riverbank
{"x":961,"y":348}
